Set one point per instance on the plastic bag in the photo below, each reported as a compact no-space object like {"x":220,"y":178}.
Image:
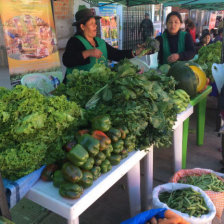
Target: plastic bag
{"x":142,"y":65}
{"x":217,"y":73}
{"x":216,"y":197}
{"x":204,"y":219}
{"x":154,"y":60}
{"x":143,"y":217}
{"x":40,"y":82}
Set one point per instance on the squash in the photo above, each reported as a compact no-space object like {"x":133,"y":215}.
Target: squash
{"x":190,"y":77}
{"x":200,"y":76}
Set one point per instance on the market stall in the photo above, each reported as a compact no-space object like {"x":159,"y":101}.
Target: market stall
{"x":130,"y":109}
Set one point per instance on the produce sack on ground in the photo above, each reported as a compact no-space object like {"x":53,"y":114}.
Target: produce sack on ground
{"x":216,"y":197}
{"x":182,"y":202}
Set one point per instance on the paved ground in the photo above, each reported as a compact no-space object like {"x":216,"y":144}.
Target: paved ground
{"x":113,"y":207}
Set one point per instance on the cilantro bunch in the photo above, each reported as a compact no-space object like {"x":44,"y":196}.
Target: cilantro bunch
{"x":33,"y":129}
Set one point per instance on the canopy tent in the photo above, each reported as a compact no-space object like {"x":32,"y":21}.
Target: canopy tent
{"x":215,"y":5}
{"x":130,"y":3}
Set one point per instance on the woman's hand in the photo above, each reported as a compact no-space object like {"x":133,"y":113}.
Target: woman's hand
{"x":173,"y":57}
{"x":95,"y":53}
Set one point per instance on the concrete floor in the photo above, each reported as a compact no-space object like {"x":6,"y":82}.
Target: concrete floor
{"x":113,"y":206}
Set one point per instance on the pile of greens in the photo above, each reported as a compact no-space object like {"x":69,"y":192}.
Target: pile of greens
{"x":33,"y":129}
{"x":142,"y":103}
{"x":209,"y":55}
{"x":82,"y":85}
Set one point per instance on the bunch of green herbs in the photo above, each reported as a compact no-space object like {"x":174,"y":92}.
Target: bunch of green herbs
{"x":209,"y":55}
{"x":82,"y":85}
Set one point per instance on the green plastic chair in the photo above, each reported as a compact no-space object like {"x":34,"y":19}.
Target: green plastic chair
{"x":199,"y":101}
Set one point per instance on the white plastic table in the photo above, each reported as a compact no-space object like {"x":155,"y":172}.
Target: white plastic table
{"x":46,"y":195}
{"x":178,"y":136}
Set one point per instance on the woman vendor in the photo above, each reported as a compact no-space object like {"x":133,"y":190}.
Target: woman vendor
{"x":175,"y":45}
{"x":84,"y":49}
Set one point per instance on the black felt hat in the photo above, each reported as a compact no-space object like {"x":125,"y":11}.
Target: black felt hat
{"x":84,"y":15}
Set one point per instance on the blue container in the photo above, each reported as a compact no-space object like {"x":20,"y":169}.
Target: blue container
{"x":214,"y":90}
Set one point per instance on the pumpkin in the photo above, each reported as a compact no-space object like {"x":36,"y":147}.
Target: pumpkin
{"x":190,"y":77}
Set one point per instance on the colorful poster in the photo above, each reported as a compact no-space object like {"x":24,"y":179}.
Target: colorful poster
{"x":109,"y":30}
{"x":30,"y":39}
{"x":212,"y":21}
{"x":109,"y":23}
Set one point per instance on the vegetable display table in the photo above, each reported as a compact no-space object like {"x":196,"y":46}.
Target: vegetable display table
{"x":178,"y":136}
{"x":199,"y":101}
{"x":46,"y":195}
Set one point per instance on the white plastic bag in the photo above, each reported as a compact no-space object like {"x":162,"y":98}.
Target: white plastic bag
{"x":38,"y":81}
{"x":142,"y":65}
{"x":154,"y":60}
{"x":169,"y":187}
{"x":218,"y":75}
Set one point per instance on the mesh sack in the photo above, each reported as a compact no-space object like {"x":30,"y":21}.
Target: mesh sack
{"x":216,"y":197}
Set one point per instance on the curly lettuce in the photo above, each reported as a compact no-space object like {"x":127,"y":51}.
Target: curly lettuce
{"x":33,"y":129}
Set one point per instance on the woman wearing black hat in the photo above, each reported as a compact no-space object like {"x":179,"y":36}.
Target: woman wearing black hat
{"x":84,"y":48}
{"x":175,"y":45}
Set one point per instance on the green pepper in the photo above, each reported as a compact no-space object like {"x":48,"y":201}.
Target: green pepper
{"x":58,"y":178}
{"x":78,"y":155}
{"x":105,"y":166}
{"x":115,"y":159}
{"x":71,"y":173}
{"x":124,"y":153}
{"x":88,"y":165}
{"x":47,"y":173}
{"x":101,"y":156}
{"x":124,"y":131}
{"x":98,"y":161}
{"x":96,"y":172}
{"x":114,"y":134}
{"x":91,"y":144}
{"x":70,"y":190}
{"x":87,"y":179}
{"x":118,"y":146}
{"x":101,"y":123}
{"x":68,"y":147}
{"x":108,"y":151}
{"x":103,"y":139}
{"x":129,"y":143}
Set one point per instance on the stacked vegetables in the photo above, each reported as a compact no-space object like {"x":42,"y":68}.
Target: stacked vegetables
{"x":33,"y":129}
{"x":90,"y":153}
{"x":186,"y":201}
{"x":142,"y":103}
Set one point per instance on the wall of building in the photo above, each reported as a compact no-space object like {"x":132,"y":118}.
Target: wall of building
{"x":64,"y":16}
